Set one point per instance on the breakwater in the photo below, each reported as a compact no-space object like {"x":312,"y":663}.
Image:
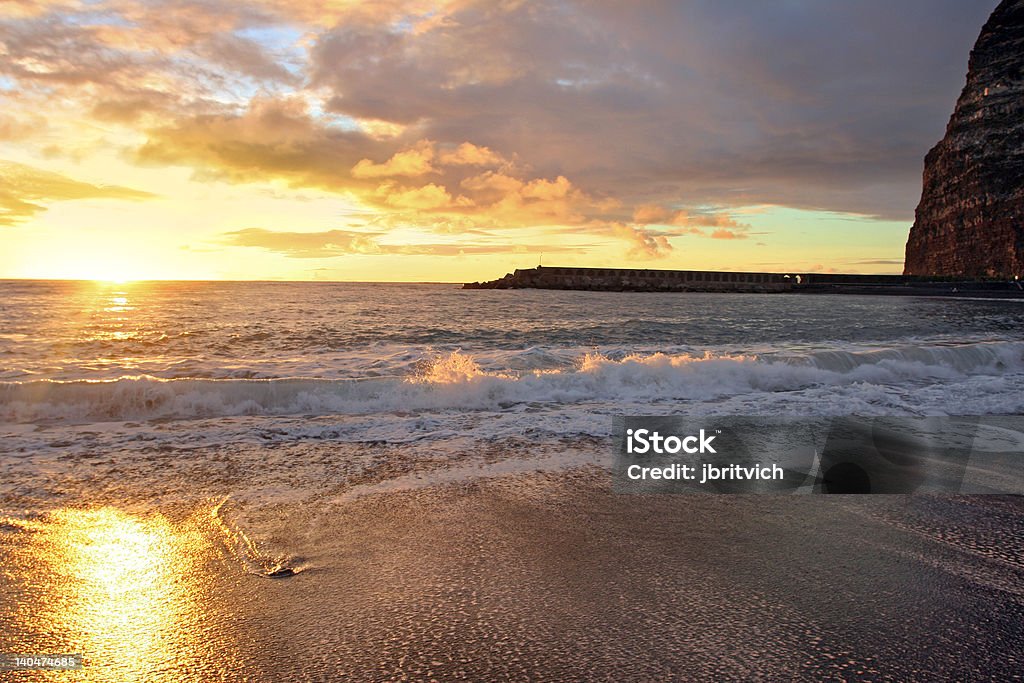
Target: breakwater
{"x":653,"y":280}
{"x":637,"y":280}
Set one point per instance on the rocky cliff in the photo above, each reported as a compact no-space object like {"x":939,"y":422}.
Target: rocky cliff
{"x":971,"y":217}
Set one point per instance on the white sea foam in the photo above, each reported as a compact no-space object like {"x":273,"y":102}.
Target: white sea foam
{"x":456,"y":381}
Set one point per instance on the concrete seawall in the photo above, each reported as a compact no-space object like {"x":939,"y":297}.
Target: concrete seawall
{"x":650,"y":280}
{"x":637,"y":280}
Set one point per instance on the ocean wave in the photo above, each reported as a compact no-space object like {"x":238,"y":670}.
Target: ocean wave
{"x":456,"y":381}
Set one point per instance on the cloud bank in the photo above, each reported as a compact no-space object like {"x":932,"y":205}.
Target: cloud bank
{"x":645,"y":123}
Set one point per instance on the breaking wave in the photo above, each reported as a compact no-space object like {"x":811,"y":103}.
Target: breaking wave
{"x":456,"y":381}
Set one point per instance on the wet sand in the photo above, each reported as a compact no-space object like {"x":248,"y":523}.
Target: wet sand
{"x":556,"y":578}
{"x":551,"y":576}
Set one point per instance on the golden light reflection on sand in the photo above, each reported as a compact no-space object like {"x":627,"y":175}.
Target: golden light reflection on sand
{"x":122,"y":589}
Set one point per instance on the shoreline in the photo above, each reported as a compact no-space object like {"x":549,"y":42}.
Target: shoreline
{"x":593,"y":584}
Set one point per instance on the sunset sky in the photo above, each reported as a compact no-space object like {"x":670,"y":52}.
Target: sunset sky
{"x":454,"y":141}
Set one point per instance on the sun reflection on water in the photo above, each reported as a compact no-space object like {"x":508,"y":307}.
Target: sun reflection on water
{"x":114,"y":314}
{"x":118,"y":304}
{"x":120,"y":591}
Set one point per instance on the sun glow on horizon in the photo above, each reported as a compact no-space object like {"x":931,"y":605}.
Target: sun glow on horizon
{"x":110,"y":271}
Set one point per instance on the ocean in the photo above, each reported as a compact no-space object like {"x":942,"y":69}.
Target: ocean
{"x":83,"y":352}
{"x":405,"y":463}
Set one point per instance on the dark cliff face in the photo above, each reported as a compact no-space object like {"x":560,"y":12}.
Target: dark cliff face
{"x":971,"y":217}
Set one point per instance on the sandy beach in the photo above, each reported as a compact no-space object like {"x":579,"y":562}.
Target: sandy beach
{"x":535,"y":574}
{"x":555,"y":578}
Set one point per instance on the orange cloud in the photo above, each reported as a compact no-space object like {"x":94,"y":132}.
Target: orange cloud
{"x":19,"y":127}
{"x":653,"y":214}
{"x":332,"y":243}
{"x":647,"y":214}
{"x":418,"y":15}
{"x":726,"y":234}
{"x":275,"y":138}
{"x":692,"y":222}
{"x":306,"y":244}
{"x":703,"y":219}
{"x":411,"y":162}
{"x":24,"y":191}
{"x":280,"y":139}
{"x":24,"y":9}
{"x":548,"y":190}
{"x":644,"y":243}
{"x":491,"y":181}
{"x":468,"y":154}
{"x":429,"y":197}
{"x":419,"y":160}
